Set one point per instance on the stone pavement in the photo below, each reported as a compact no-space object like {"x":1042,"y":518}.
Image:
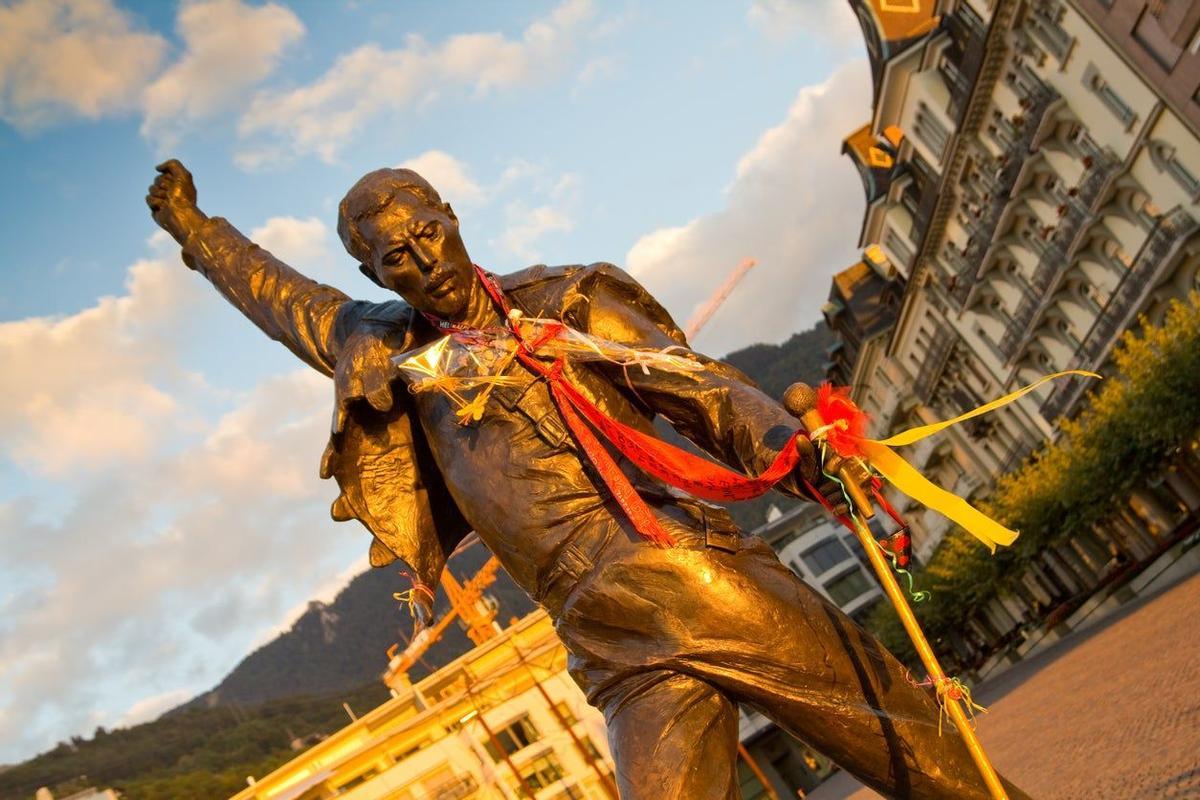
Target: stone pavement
{"x":1110,"y":712}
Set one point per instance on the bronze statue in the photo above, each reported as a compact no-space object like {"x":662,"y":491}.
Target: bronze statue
{"x":665,"y":640}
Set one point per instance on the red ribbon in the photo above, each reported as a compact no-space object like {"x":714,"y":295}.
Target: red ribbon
{"x":672,"y":465}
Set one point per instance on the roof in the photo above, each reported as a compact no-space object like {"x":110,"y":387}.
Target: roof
{"x":874,"y":157}
{"x":866,"y":299}
{"x":891,"y":27}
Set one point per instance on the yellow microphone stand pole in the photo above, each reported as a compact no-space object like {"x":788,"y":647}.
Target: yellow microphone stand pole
{"x":802,"y":405}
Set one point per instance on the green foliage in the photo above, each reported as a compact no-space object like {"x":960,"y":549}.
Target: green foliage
{"x":197,"y":753}
{"x":1134,"y":421}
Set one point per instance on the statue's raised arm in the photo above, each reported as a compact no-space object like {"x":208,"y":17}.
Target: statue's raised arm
{"x":310,"y":318}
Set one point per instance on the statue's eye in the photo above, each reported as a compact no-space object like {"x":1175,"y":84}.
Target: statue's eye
{"x":432,"y":230}
{"x":395,"y":258}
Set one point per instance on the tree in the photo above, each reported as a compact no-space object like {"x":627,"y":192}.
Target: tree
{"x":1133,"y":423}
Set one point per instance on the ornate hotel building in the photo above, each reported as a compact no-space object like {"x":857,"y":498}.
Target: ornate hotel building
{"x":1032,"y":178}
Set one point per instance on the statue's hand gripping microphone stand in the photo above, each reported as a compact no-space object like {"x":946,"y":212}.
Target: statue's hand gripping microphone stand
{"x":801,"y":401}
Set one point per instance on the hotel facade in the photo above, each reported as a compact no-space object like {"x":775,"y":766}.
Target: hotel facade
{"x":1032,"y":180}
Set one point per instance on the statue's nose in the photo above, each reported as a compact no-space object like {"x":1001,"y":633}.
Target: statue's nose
{"x":425,"y":259}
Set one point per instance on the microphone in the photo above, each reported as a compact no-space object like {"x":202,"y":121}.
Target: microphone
{"x":800,"y":400}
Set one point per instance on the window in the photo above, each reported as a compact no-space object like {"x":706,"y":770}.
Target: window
{"x":931,"y":131}
{"x":515,"y":736}
{"x":564,"y":711}
{"x":592,"y":750}
{"x":1164,"y":157}
{"x":1046,"y":23}
{"x":987,"y":340}
{"x":357,"y":780}
{"x":846,"y":588}
{"x":898,"y":246}
{"x":1186,"y":179}
{"x":543,"y":771}
{"x":453,"y":787}
{"x":825,"y":556}
{"x":570,"y":793}
{"x":1108,"y":96}
{"x":1092,"y":297}
{"x":1156,"y":41}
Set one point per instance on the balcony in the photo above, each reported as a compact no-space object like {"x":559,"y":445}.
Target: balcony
{"x":1120,"y":311}
{"x":1056,"y":256}
{"x":1040,"y":100}
{"x":970,"y":37}
{"x":935,"y":362}
{"x":458,"y":788}
{"x":1016,"y":456}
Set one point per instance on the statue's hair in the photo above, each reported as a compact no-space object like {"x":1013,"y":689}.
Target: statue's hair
{"x":370,"y":195}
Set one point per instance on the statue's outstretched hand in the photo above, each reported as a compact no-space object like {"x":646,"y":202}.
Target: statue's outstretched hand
{"x":172,"y":200}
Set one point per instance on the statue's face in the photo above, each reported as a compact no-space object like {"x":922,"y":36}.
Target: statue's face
{"x":416,"y":251}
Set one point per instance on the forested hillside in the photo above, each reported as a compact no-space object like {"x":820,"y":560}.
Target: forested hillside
{"x":343,"y":644}
{"x":198,"y":754}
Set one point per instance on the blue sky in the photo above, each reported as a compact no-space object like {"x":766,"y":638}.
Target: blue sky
{"x":159,"y":507}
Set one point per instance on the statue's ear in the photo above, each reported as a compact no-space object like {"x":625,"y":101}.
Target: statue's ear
{"x":370,"y":273}
{"x":449,"y":212}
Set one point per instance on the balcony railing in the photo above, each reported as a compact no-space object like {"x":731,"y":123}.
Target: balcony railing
{"x":1056,"y":256}
{"x":970,"y":36}
{"x":455,"y":789}
{"x":1019,"y":452}
{"x":1118,"y":313}
{"x":1169,"y":230}
{"x":935,"y":363}
{"x":1040,"y":101}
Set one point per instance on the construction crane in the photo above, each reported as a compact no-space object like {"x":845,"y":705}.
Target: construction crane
{"x":467,"y":603}
{"x":705,"y":312}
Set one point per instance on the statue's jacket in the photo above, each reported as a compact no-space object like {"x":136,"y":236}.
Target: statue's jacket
{"x":381,"y":460}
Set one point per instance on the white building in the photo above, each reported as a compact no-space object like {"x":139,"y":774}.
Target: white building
{"x":825,"y":555}
{"x":1032,"y":171}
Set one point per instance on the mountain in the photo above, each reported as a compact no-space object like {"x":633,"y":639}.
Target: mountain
{"x":197,"y":754}
{"x":775,"y":367}
{"x":340,"y":645}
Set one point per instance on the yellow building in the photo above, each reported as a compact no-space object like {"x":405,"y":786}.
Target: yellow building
{"x":503,"y":721}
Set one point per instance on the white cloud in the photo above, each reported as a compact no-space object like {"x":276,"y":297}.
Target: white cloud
{"x":230,"y":47}
{"x":151,"y":707}
{"x":781,"y":20}
{"x":598,"y":69}
{"x":449,"y":176}
{"x":71,"y":58}
{"x":794,"y":205}
{"x":370,"y":81}
{"x":294,"y":241}
{"x":178,"y":517}
{"x":525,"y":226}
{"x":93,"y":389}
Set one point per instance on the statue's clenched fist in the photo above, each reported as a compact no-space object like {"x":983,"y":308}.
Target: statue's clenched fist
{"x":172,"y":200}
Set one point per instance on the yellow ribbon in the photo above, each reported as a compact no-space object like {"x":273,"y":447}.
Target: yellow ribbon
{"x":907,"y":479}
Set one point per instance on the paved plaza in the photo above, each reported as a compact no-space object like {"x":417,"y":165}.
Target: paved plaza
{"x":1110,"y":712}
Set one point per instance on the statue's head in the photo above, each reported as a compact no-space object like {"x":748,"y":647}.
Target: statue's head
{"x":406,"y":239}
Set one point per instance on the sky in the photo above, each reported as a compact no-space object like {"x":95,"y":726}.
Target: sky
{"x":160,"y":510}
